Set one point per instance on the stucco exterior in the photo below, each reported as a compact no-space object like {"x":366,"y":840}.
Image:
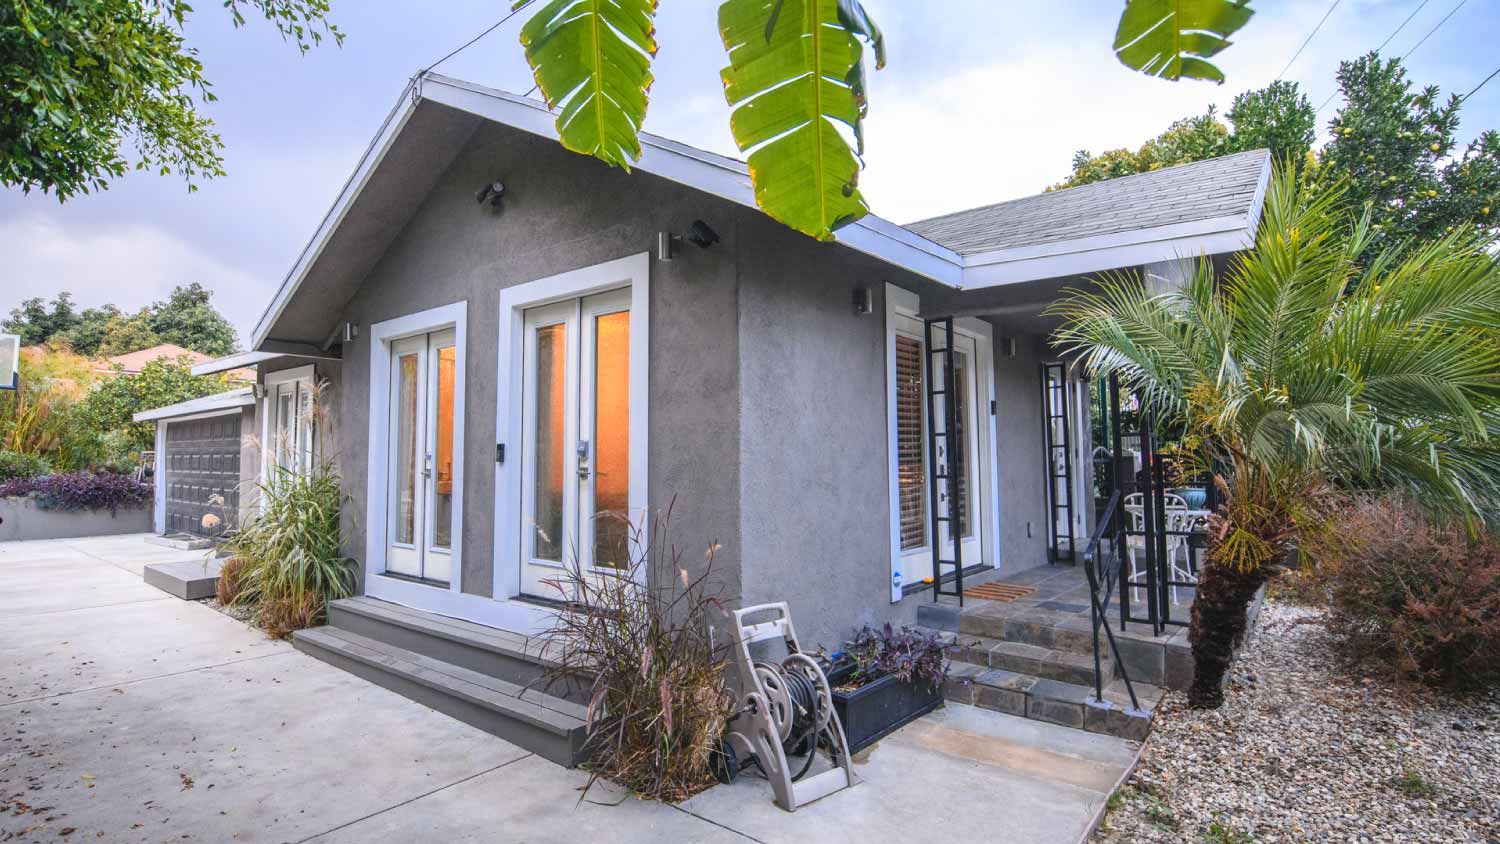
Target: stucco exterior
{"x":767,"y":423}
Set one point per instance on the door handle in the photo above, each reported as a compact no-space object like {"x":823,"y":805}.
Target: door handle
{"x":427,"y":466}
{"x":583,"y":460}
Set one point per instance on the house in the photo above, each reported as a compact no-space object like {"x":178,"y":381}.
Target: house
{"x":498,"y":374}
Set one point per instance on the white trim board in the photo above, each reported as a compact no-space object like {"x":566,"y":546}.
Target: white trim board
{"x":899,"y":301}
{"x":634,"y":272}
{"x":377,"y":584}
{"x":729,"y":179}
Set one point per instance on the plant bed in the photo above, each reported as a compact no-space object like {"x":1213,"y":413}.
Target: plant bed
{"x":872,"y":711}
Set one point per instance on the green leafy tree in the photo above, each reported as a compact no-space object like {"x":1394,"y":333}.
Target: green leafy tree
{"x":1304,"y":370}
{"x":1394,"y":147}
{"x":1277,"y":117}
{"x":83,"y":80}
{"x":93,"y":325}
{"x":123,"y":335}
{"x":188,"y":318}
{"x":35,"y":323}
{"x":113,"y":401}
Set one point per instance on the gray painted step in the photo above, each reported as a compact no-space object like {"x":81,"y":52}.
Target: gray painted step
{"x":548,"y":726}
{"x":498,"y":653}
{"x":1052,"y":701}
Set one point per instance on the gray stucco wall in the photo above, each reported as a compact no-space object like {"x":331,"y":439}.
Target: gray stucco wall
{"x":1021,"y":449}
{"x":767,"y":396}
{"x":563,"y":212}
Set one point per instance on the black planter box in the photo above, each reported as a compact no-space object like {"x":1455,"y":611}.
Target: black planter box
{"x":875,"y":710}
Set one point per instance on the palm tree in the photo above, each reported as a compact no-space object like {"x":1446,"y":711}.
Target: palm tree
{"x":1303,"y":372}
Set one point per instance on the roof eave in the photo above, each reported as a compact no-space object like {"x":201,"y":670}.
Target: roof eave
{"x":216,"y":403}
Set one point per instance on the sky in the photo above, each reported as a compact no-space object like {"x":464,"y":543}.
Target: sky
{"x":980,"y":101}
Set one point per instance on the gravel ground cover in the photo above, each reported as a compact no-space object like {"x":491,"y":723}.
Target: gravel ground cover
{"x":1308,"y":749}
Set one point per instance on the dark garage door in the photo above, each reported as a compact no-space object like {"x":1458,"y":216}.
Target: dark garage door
{"x":203,"y":461}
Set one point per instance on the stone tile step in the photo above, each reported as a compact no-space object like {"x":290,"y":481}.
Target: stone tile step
{"x":1035,"y":660}
{"x":546,"y":725}
{"x":1045,"y":629}
{"x":180,"y":541}
{"x":1052,"y":701}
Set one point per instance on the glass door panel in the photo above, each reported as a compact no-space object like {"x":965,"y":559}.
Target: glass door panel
{"x":575,"y":486}
{"x":420,"y":516}
{"x":405,"y":498}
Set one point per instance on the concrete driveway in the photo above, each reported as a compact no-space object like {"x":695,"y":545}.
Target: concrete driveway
{"x":129,"y":715}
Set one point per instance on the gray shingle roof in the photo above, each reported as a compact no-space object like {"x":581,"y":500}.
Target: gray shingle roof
{"x":1204,"y":190}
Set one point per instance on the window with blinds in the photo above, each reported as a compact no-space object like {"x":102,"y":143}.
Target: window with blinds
{"x":910,"y":467}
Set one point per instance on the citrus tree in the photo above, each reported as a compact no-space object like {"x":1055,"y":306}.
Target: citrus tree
{"x":1309,"y":367}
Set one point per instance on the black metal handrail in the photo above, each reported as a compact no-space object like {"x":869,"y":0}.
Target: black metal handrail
{"x":1104,"y":576}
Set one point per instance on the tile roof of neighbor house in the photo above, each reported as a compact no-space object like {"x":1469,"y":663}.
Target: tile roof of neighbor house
{"x":136,"y":361}
{"x":1203,"y":190}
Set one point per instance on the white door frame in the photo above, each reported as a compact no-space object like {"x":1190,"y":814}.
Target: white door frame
{"x":902,"y":302}
{"x":632,"y":272}
{"x":382,"y":335}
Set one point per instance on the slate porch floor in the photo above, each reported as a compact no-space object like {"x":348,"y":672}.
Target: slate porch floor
{"x":130,"y":715}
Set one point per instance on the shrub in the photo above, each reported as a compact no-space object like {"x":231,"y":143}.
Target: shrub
{"x":231,"y":581}
{"x":290,"y":563}
{"x":1419,"y":595}
{"x":16,"y":465}
{"x":80,"y":491}
{"x":911,"y":656}
{"x":656,"y":683}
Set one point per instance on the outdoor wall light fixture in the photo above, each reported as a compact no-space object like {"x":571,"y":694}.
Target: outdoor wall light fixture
{"x":490,"y":193}
{"x":864,"y":301}
{"x":700,"y":234}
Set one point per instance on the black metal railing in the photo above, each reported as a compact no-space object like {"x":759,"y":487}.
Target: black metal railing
{"x":1103,"y":570}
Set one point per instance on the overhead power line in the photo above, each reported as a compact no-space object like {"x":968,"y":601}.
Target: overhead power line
{"x":476,"y":39}
{"x":1308,"y":40}
{"x":1397,"y":31}
{"x":1434,"y":29}
{"x":1493,"y":74}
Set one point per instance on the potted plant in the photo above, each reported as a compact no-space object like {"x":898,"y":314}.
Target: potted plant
{"x":885,"y":679}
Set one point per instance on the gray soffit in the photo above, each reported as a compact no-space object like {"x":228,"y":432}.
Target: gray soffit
{"x":1122,"y":223}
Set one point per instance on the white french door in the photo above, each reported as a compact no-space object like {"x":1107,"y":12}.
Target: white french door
{"x":967,"y":513}
{"x":575,"y":446}
{"x":420,"y":518}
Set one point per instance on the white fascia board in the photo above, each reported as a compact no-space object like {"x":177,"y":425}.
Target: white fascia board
{"x":713,"y":174}
{"x":239,"y":360}
{"x":389,"y":130}
{"x":1109,"y":252}
{"x":243,"y":397}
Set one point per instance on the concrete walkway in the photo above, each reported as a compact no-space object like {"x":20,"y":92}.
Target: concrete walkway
{"x":129,"y":715}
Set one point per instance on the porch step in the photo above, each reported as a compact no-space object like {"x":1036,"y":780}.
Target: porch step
{"x":518,"y":659}
{"x":1052,"y":701}
{"x":546,"y":725}
{"x":1035,"y":660}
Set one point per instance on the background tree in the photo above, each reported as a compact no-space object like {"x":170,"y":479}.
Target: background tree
{"x":126,"y":334}
{"x":88,"y":334}
{"x":113,"y":401}
{"x":1394,"y":149}
{"x":82,"y":80}
{"x":189,"y":319}
{"x":1278,"y":116}
{"x":35,"y":323}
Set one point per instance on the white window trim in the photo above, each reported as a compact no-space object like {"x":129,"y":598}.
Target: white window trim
{"x":633,"y":272}
{"x":899,"y":301}
{"x":377,"y":584}
{"x":268,"y":410}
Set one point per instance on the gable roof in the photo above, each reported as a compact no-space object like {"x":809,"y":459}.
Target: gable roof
{"x":228,"y":400}
{"x":435,"y":116}
{"x":1224,"y":187}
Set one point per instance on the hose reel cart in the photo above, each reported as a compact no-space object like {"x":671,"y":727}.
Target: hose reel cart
{"x":785,"y":709}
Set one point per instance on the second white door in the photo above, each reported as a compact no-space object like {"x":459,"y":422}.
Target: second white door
{"x":420,"y":516}
{"x":575,"y":448}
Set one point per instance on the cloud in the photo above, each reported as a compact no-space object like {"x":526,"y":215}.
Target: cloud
{"x":129,"y":264}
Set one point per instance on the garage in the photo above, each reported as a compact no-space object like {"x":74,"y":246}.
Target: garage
{"x":205,"y":460}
